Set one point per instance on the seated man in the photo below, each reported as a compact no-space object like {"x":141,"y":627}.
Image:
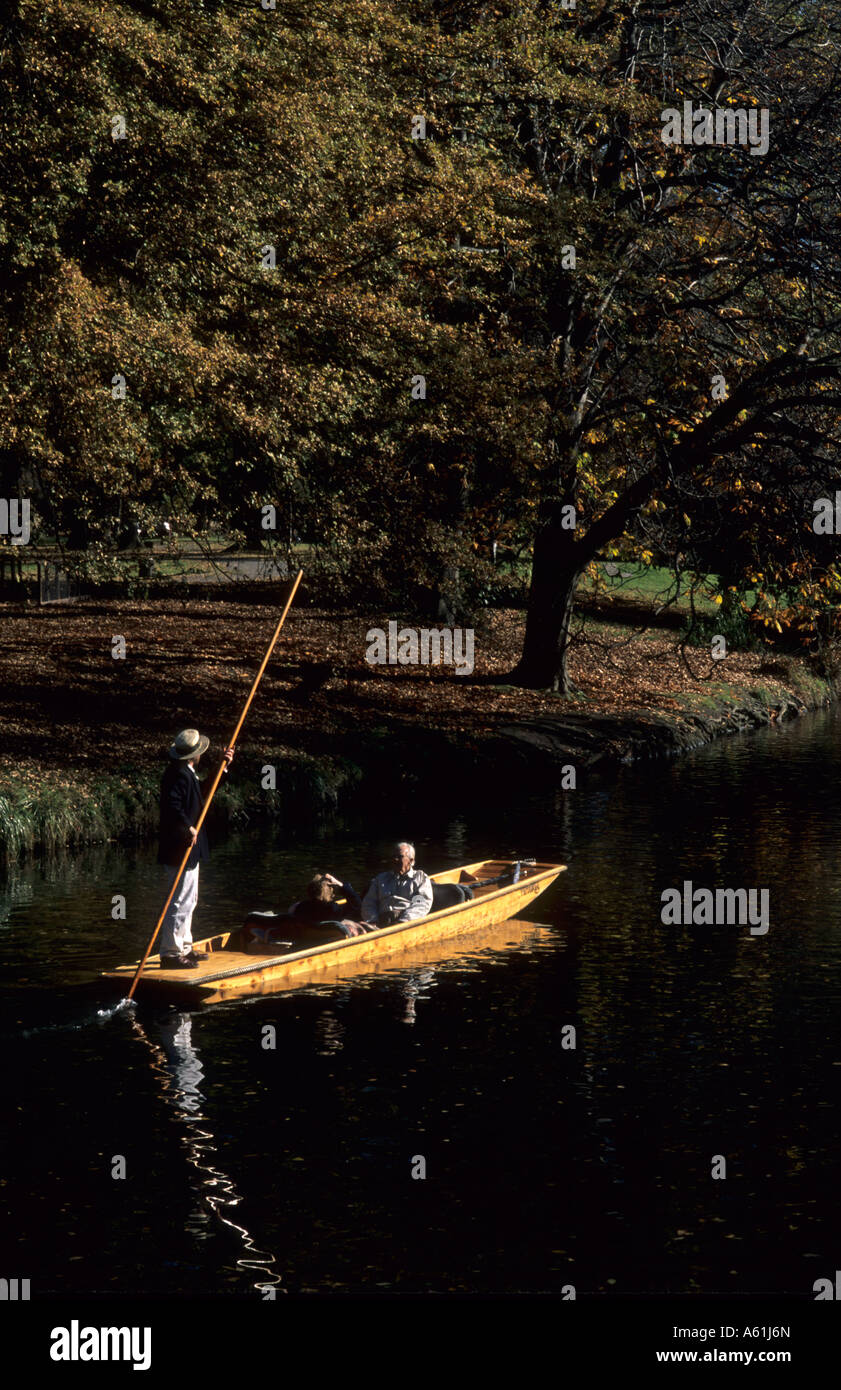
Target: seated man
{"x":400,"y":895}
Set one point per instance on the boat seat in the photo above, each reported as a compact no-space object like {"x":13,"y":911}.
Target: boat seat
{"x":449,"y":895}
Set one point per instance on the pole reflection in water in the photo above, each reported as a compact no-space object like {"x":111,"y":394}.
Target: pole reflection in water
{"x":176,"y":1062}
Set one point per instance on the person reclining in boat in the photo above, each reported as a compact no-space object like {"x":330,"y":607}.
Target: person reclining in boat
{"x":399,"y":895}
{"x":319,"y":905}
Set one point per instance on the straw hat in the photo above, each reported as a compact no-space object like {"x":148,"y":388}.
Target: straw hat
{"x":188,"y":744}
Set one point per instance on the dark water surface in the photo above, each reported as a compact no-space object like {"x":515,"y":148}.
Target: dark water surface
{"x":545,"y":1166}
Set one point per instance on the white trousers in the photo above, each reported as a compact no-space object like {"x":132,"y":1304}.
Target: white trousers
{"x":177,"y":931}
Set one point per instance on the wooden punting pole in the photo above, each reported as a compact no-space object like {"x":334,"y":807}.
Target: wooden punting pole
{"x":217,"y":779}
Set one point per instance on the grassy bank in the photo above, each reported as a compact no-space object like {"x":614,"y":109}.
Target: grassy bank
{"x":55,"y":812}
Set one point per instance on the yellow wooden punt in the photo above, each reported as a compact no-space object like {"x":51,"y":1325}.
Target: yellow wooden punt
{"x":232,"y":972}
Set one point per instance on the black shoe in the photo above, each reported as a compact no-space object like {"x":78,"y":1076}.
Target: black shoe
{"x":178,"y":963}
{"x":196,"y":956}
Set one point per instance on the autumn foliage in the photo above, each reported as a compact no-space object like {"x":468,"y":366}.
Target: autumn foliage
{"x":270,"y":261}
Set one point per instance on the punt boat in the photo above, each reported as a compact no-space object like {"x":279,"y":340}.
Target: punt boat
{"x":239,"y":966}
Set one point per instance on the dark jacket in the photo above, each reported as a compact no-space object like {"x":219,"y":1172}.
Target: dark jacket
{"x":310,"y":910}
{"x":181,"y":804}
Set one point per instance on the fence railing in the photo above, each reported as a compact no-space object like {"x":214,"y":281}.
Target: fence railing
{"x":54,"y":579}
{"x":11,"y":569}
{"x":55,"y":585}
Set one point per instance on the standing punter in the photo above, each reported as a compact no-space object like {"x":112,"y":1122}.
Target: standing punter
{"x":181,"y":804}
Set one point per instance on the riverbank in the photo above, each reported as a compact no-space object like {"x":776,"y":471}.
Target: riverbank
{"x":85,"y":732}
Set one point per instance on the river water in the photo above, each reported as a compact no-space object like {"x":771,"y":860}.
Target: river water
{"x":249,"y":1168}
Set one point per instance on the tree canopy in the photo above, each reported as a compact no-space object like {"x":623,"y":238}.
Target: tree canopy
{"x":427,"y":276}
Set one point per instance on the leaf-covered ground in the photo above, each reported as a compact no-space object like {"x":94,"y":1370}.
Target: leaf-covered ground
{"x":69,"y":707}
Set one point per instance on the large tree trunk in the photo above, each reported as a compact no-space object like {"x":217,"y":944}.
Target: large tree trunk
{"x":556,"y":566}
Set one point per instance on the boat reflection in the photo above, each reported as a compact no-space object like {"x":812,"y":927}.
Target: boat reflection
{"x":177,"y":1064}
{"x":418,"y":966}
{"x":466,"y":953}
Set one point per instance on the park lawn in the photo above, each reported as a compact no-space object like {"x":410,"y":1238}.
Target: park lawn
{"x":652,"y":586}
{"x":630,"y":581}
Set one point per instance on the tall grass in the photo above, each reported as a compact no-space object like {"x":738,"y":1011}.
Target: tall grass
{"x":55,"y":815}
{"x":49,"y":815}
